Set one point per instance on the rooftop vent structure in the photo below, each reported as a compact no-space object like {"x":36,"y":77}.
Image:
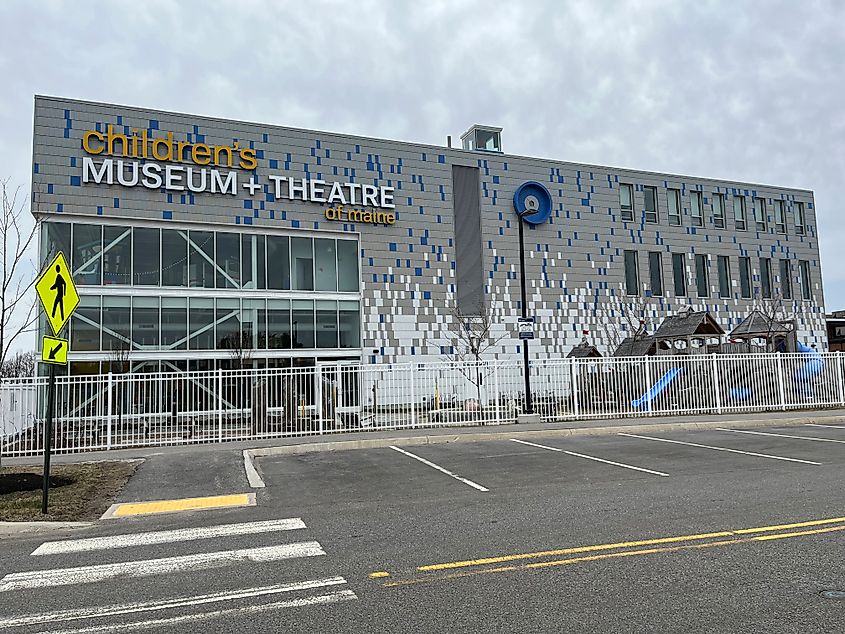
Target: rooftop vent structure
{"x":482,"y":137}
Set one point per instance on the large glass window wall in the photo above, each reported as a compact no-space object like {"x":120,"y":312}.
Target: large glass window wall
{"x":179,"y":258}
{"x":139,"y":323}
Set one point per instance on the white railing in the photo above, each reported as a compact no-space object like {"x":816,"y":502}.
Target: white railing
{"x":133,"y":410}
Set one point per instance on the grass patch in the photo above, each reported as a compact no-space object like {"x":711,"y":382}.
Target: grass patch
{"x":78,"y":492}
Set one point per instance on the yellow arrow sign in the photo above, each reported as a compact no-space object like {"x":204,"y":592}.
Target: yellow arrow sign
{"x":54,"y":350}
{"x":57,"y":293}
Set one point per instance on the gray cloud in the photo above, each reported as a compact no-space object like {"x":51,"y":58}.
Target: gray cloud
{"x":749,"y":91}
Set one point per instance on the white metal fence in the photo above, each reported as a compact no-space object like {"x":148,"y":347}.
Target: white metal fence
{"x":132,"y":410}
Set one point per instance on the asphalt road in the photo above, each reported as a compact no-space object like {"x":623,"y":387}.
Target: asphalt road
{"x":593,"y":534}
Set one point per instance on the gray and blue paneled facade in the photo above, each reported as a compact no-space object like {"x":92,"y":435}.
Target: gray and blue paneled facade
{"x":176,"y":276}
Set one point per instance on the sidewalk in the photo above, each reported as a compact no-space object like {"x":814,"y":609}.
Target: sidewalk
{"x":202,"y":454}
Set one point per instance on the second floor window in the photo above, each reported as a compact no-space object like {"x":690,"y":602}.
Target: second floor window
{"x":786,"y":279}
{"x":766,"y":278}
{"x":804,"y":270}
{"x":679,"y":274}
{"x":655,"y":273}
{"x":724,"y":276}
{"x":702,"y":284}
{"x":650,"y":196}
{"x":632,"y":273}
{"x":745,"y":277}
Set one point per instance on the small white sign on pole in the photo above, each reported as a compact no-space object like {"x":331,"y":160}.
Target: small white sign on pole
{"x":525,"y":326}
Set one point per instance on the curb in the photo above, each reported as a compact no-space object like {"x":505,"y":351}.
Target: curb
{"x":410,"y":441}
{"x":8,"y":529}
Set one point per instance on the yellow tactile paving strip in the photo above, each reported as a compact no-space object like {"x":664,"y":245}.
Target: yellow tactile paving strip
{"x":185,"y":504}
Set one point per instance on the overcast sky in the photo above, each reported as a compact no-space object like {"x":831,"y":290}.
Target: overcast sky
{"x":749,"y":91}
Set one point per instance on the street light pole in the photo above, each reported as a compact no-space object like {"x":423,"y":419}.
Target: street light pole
{"x":528,"y":406}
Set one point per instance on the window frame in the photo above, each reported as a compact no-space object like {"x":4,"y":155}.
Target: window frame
{"x":780,"y":217}
{"x":806,"y":280}
{"x":655,"y":273}
{"x":702,"y":278}
{"x":766,"y":278}
{"x":674,"y":195}
{"x":679,"y":274}
{"x":800,"y":213}
{"x":696,"y":220}
{"x":745,"y":290}
{"x":785,"y":270}
{"x":629,"y":216}
{"x":760,"y":223}
{"x":740,"y":213}
{"x":631,"y":257}
{"x":719,"y":221}
{"x":723,"y":265}
{"x":650,"y":191}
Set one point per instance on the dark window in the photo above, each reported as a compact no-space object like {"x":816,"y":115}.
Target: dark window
{"x":228,"y":260}
{"x":804,"y":270}
{"x":740,"y":217}
{"x":174,"y":257}
{"x":724,"y":265}
{"x":766,"y":278}
{"x":347,"y":266}
{"x":302,"y":320}
{"x":786,"y":279}
{"x":326,"y":324}
{"x":719,"y":211}
{"x":702,"y":285}
{"x":679,"y":274}
{"x":201,"y":260}
{"x":278,"y":263}
{"x":650,"y":196}
{"x":302,"y":264}
{"x":469,"y":265}
{"x":632,"y":273}
{"x":695,"y":209}
{"x":673,"y":196}
{"x":87,"y":253}
{"x":655,"y":272}
{"x":117,"y":255}
{"x":626,"y":201}
{"x":146,"y":257}
{"x":745,"y":277}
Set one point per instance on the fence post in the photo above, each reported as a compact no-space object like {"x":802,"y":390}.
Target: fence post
{"x":496,"y":392}
{"x":413,"y":396}
{"x":717,"y":387}
{"x":220,"y":404}
{"x":648,"y":384}
{"x":781,"y":385}
{"x":109,"y":417}
{"x":573,"y":373}
{"x":839,"y":377}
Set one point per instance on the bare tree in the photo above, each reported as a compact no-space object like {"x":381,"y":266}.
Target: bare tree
{"x":621,"y":316}
{"x":239,"y":345}
{"x":469,"y":338}
{"x":18,"y":366}
{"x":17,"y":303}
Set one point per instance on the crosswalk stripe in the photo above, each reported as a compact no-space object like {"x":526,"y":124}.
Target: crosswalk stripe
{"x":148,"y":567}
{"x":320,"y":599}
{"x":167,"y":604}
{"x":164,"y":537}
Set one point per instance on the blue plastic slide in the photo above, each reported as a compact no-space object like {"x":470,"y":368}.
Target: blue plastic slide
{"x":814,"y":365}
{"x":657,"y":388}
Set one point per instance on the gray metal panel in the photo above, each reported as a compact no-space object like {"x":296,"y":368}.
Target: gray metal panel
{"x":469,"y":268}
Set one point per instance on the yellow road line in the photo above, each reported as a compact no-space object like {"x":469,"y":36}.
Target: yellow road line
{"x":630,"y":544}
{"x":379,"y":575}
{"x":184,"y":504}
{"x":616,"y":555}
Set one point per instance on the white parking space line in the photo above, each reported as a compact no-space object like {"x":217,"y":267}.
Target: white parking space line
{"x":320,"y":599}
{"x":167,"y":604}
{"x":166,"y":537}
{"x":148,"y":567}
{"x":817,"y":425}
{"x":441,"y":469}
{"x":746,"y":453}
{"x":763,"y":433}
{"x":581,"y":455}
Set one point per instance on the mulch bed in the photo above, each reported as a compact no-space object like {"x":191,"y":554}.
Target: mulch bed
{"x":78,"y":492}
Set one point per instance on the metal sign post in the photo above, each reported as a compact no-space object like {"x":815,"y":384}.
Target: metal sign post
{"x":59,"y":299}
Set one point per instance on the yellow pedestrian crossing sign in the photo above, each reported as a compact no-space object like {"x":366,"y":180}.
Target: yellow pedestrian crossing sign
{"x":57,"y":293}
{"x":54,"y":350}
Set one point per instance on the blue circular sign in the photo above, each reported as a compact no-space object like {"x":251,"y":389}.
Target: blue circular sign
{"x":533,"y":202}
